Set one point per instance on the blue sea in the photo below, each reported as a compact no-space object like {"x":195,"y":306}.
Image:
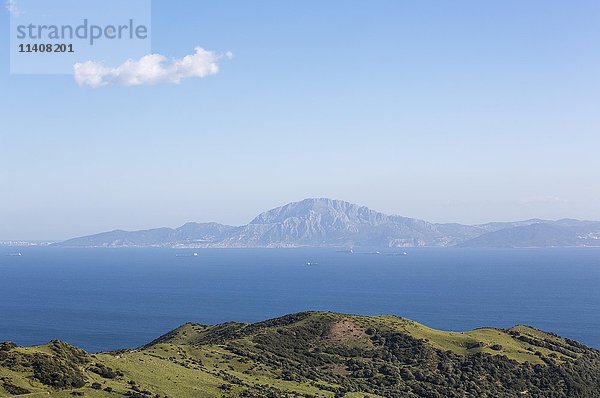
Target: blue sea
{"x":104,"y":299}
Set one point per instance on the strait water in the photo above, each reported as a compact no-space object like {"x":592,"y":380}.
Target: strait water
{"x":104,"y":299}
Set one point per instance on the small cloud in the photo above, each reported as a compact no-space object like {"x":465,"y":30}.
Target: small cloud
{"x":539,"y":200}
{"x":12,"y":7}
{"x":149,"y":70}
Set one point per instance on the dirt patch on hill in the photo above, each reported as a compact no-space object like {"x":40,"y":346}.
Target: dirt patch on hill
{"x":344,"y":331}
{"x":340,"y":370}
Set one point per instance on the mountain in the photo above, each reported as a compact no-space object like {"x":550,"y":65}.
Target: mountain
{"x":326,"y":223}
{"x":541,"y":234}
{"x":187,"y":235}
{"x":313,"y":354}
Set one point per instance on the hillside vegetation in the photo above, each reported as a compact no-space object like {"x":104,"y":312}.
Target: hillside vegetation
{"x":312,"y":354}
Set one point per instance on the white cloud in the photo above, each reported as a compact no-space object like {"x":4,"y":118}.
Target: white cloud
{"x":150,"y":69}
{"x":541,"y":200}
{"x":12,"y":7}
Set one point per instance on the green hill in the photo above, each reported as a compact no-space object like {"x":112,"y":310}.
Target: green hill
{"x":312,"y":354}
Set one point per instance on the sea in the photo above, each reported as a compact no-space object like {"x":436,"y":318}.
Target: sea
{"x":103,"y":299}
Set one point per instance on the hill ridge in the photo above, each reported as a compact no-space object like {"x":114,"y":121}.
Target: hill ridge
{"x":313,"y":354}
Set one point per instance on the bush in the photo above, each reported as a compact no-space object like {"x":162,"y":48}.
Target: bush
{"x":7,"y":346}
{"x":56,"y":373}
{"x":12,"y":389}
{"x":103,"y":371}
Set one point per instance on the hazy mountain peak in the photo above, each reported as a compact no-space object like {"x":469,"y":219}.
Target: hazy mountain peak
{"x":319,"y":207}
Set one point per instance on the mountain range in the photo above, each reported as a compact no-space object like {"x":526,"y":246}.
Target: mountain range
{"x":326,"y":222}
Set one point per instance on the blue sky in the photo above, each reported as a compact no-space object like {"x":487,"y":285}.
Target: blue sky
{"x":461,"y":111}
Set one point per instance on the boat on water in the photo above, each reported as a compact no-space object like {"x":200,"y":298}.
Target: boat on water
{"x":310,"y":263}
{"x":398,"y":254}
{"x":13,"y":254}
{"x":367,"y":253}
{"x":187,"y":255}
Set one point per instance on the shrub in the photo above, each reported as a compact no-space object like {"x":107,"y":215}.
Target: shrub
{"x":7,"y":346}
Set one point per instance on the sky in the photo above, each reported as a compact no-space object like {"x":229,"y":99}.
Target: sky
{"x":461,"y":111}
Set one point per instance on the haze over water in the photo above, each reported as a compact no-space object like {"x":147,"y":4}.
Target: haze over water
{"x":104,"y":299}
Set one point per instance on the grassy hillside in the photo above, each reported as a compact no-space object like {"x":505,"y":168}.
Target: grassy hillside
{"x":312,"y":355}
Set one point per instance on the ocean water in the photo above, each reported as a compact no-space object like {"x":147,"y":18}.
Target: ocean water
{"x":104,"y":299}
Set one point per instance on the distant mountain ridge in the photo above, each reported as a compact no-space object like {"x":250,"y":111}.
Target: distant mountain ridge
{"x":326,"y":222}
